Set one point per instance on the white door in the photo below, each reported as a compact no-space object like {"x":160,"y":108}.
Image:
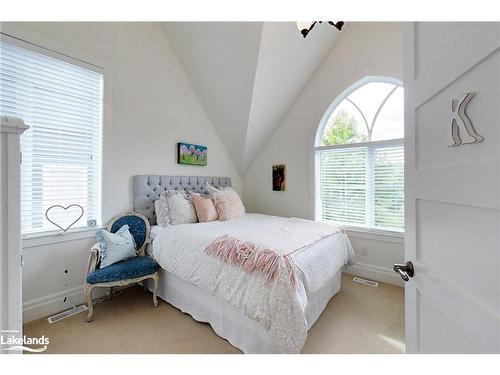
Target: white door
{"x":452,"y":193}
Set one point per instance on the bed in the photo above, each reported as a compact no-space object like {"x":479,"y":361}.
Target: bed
{"x":201,"y":292}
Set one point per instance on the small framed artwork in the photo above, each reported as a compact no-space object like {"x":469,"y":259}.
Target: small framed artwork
{"x":191,"y":154}
{"x":279,"y":177}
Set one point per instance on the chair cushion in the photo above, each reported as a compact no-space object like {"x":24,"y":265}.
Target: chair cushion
{"x":137,"y":228}
{"x":126,"y":269}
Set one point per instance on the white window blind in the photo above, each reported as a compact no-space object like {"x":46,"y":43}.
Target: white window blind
{"x":363,"y":186}
{"x":61,"y":152}
{"x":343,"y":185}
{"x":360,"y":159}
{"x":388,"y":186}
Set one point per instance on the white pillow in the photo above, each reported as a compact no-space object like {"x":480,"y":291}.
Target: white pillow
{"x":211,"y":190}
{"x":116,"y":246}
{"x":181,"y":208}
{"x":174,"y":207}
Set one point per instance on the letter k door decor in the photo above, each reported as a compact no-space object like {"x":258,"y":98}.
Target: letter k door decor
{"x":460,"y":121}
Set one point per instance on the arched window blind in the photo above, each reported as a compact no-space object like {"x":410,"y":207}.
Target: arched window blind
{"x":360,"y":159}
{"x":61,"y":101}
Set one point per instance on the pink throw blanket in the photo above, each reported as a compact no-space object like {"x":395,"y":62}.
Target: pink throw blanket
{"x":268,"y":252}
{"x":253,"y":258}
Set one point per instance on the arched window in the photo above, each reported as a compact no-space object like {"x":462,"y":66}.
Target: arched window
{"x":359,"y":154}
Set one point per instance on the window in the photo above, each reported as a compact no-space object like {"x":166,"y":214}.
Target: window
{"x":360,"y":158}
{"x":61,"y":101}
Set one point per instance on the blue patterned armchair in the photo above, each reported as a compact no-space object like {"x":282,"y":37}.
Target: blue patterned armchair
{"x":127,"y":271}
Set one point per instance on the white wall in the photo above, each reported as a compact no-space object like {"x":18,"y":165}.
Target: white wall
{"x":247,"y":74}
{"x":363,"y":49}
{"x":151,"y":106}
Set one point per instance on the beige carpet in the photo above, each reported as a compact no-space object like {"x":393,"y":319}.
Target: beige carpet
{"x":359,"y":319}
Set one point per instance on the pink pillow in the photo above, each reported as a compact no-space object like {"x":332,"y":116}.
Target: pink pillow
{"x":228,"y":204}
{"x":205,"y":208}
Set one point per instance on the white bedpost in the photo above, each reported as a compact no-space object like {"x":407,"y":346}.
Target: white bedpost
{"x":11,"y":310}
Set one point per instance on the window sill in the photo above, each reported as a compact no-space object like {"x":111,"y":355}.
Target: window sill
{"x":375,"y":234}
{"x":57,"y":236}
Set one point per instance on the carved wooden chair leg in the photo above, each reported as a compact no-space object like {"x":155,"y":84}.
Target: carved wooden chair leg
{"x":155,"y":287}
{"x":90,"y":304}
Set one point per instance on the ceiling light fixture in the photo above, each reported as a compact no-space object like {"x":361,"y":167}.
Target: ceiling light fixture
{"x":306,"y":26}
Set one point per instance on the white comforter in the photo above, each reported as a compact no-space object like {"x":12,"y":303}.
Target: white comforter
{"x":277,"y":305}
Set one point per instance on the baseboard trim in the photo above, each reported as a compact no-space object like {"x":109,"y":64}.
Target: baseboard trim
{"x":368,"y":271}
{"x":54,"y":303}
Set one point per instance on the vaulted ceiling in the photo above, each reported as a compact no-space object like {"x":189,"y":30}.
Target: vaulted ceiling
{"x":247,"y":75}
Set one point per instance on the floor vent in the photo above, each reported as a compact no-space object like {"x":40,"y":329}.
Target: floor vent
{"x":66,"y":314}
{"x":365,"y":281}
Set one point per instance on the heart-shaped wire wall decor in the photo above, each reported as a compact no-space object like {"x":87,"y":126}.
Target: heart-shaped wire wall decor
{"x":47,"y":211}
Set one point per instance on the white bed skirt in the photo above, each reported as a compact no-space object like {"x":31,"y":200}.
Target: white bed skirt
{"x":228,"y":322}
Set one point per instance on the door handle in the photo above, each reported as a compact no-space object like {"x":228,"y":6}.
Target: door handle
{"x":404,"y":270}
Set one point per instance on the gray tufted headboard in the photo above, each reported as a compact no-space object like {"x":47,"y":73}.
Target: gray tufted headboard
{"x":147,"y":189}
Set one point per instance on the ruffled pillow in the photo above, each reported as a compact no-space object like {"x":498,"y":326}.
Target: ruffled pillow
{"x":162,"y":211}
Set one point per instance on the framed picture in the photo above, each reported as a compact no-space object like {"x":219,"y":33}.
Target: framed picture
{"x":191,"y":154}
{"x":279,"y":177}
